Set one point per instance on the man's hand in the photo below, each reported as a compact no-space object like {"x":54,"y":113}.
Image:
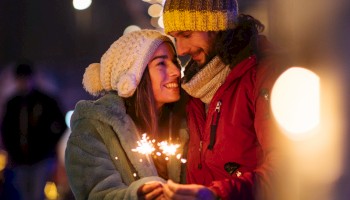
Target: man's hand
{"x":187,"y":192}
{"x":151,"y":190}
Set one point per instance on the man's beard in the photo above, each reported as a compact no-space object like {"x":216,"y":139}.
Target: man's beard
{"x":192,"y":67}
{"x":208,"y":58}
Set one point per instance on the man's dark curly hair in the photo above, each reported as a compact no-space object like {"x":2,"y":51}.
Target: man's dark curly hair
{"x":230,"y":43}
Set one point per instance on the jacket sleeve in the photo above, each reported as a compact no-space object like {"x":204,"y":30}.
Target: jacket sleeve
{"x":269,"y":173}
{"x":259,"y":183}
{"x":91,"y":172}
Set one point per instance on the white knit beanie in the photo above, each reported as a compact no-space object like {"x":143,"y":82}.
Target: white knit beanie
{"x":123,"y":64}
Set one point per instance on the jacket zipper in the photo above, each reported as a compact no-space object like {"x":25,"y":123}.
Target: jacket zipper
{"x":213,"y":127}
{"x":200,"y":154}
{"x":214,"y":124}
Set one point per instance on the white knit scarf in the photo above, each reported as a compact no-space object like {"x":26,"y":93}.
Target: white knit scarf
{"x":206,"y":82}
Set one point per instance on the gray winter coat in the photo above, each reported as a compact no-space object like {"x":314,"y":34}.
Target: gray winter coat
{"x":99,"y":161}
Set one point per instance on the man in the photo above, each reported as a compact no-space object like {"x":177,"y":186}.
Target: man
{"x":32,"y":125}
{"x":232,"y":69}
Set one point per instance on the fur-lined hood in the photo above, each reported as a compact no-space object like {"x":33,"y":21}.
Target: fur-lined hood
{"x":110,"y":110}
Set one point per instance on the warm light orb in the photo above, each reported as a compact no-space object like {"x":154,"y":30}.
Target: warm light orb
{"x":161,"y":22}
{"x":295,"y":101}
{"x":81,"y":4}
{"x":155,"y":10}
{"x":50,"y":191}
{"x":3,"y":160}
{"x":131,"y":28}
{"x":154,"y":22}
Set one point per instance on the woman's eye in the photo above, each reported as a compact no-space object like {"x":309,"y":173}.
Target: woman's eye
{"x":161,"y":63}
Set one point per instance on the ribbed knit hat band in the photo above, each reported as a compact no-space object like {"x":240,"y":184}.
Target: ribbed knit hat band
{"x":199,"y":15}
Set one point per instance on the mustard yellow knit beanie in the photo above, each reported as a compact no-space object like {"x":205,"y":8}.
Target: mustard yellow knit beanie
{"x":199,"y":15}
{"x":122,"y":65}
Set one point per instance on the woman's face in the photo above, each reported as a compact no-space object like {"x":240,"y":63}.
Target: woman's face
{"x":164,"y":71}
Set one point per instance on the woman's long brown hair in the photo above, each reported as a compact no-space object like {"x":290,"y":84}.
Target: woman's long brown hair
{"x":142,"y":107}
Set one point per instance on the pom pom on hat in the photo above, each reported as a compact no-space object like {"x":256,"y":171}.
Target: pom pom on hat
{"x":91,"y":79}
{"x":123,"y":64}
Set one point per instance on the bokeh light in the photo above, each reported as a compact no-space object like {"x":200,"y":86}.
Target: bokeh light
{"x":154,"y":22}
{"x":155,"y":10}
{"x":160,"y":22}
{"x":3,"y":160}
{"x":81,"y":4}
{"x":50,"y":191}
{"x":131,"y":28}
{"x":295,"y":101}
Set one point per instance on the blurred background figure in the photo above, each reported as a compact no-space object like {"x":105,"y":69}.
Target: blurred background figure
{"x":31,"y":127}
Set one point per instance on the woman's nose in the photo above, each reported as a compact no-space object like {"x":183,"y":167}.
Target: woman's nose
{"x":174,"y":70}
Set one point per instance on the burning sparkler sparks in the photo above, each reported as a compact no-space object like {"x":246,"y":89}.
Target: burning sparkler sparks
{"x":168,"y":149}
{"x":146,"y":146}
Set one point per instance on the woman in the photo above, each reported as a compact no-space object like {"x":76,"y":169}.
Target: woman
{"x":139,"y":79}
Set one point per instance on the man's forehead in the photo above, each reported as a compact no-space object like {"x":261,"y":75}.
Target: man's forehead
{"x":177,"y":33}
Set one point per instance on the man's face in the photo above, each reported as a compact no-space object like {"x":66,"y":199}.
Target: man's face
{"x":197,"y":44}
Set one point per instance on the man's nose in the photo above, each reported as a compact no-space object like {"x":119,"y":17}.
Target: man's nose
{"x":181,"y":48}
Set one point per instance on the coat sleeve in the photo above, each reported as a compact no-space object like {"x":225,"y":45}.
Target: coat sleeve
{"x":90,"y":169}
{"x":259,"y":183}
{"x":267,"y":131}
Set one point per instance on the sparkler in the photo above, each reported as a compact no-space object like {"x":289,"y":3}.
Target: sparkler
{"x":146,"y":146}
{"x":168,"y":149}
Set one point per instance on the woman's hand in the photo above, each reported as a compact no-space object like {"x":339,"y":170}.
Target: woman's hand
{"x":151,"y":190}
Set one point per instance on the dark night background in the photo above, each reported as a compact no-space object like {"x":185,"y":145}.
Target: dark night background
{"x":62,"y":42}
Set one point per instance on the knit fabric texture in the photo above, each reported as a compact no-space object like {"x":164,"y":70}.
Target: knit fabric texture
{"x":199,"y":15}
{"x":207,"y":81}
{"x":122,"y":65}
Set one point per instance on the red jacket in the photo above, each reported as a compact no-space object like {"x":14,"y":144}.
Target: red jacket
{"x":239,"y":126}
